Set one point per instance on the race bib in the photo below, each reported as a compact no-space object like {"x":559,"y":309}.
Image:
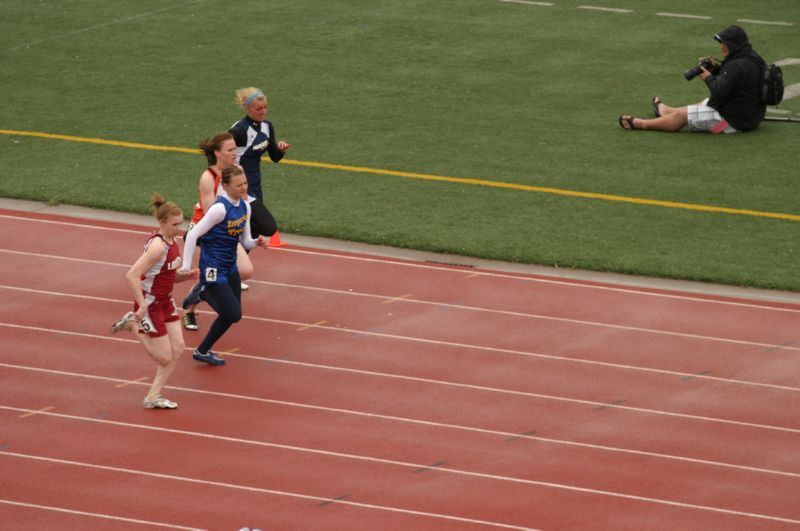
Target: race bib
{"x":211,"y":274}
{"x":146,"y":324}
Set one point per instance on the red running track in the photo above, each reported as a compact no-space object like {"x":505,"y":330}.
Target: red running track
{"x":371,"y":393}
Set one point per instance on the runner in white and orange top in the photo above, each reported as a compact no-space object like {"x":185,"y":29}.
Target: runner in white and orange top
{"x":152,"y":278}
{"x":220,"y":150}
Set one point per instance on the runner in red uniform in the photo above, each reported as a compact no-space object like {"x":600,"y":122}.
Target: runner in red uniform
{"x":152,"y":278}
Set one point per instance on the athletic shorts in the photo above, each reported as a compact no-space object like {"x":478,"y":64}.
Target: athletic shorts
{"x":704,"y":119}
{"x":159,"y":313}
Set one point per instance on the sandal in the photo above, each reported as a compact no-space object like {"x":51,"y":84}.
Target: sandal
{"x":625,"y":119}
{"x":656,"y":101}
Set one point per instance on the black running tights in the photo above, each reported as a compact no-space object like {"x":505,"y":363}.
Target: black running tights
{"x":226,"y":299}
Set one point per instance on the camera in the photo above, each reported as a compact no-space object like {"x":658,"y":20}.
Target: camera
{"x":709,"y":63}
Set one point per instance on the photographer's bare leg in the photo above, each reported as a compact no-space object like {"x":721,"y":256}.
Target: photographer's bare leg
{"x":675,"y":120}
{"x":664,"y":109}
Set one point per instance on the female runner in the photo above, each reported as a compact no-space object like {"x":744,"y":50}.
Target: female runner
{"x":223,"y":227}
{"x":152,"y":278}
{"x":220,"y":151}
{"x":254,"y":136}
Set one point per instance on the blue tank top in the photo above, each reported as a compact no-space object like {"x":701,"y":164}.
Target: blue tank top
{"x":218,"y":251}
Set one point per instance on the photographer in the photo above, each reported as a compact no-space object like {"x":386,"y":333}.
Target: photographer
{"x":733,"y":105}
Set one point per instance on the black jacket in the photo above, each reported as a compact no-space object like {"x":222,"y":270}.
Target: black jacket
{"x":734,"y":91}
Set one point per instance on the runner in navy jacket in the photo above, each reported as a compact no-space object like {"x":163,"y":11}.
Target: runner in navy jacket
{"x":254,"y":136}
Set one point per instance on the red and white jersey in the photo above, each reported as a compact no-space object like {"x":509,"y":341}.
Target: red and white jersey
{"x":158,"y":281}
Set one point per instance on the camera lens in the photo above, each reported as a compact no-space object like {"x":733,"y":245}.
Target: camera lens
{"x":692,"y":73}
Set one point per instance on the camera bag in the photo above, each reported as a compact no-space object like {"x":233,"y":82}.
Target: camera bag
{"x":771,"y":89}
{"x":770,"y":83}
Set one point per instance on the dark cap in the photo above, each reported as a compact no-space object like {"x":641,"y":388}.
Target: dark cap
{"x":733,"y":37}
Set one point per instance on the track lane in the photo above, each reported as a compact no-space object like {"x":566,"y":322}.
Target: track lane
{"x":287,"y":467}
{"x":331,"y":431}
{"x":297,"y":367}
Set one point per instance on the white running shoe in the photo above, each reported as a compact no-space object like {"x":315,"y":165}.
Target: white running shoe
{"x":245,"y":287}
{"x":124,"y":323}
{"x":159,"y":403}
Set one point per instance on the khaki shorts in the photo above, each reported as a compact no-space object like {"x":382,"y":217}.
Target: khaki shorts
{"x":704,"y":119}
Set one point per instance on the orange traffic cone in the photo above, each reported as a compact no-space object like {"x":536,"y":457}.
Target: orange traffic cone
{"x":275,"y":240}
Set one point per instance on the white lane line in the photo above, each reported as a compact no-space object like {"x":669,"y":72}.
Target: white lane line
{"x":526,"y":278}
{"x":528,"y":394}
{"x":606,"y":9}
{"x":475,"y":387}
{"x":788,"y":61}
{"x":65,"y":258}
{"x":259,"y":490}
{"x":96,"y":515}
{"x":90,"y":28}
{"x":72,"y":224}
{"x":408,"y":420}
{"x":477,"y":273}
{"x":433,"y":303}
{"x":791,"y":91}
{"x":528,"y":2}
{"x":766,"y":22}
{"x":444,"y":269}
{"x":681,"y":15}
{"x":513,"y":314}
{"x":545,"y":484}
{"x":529,"y":354}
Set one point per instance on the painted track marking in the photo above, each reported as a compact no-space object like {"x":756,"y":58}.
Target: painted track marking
{"x":605,"y":9}
{"x":528,"y":2}
{"x":764,"y":22}
{"x":36,"y":412}
{"x":369,"y":333}
{"x":90,"y":28}
{"x":544,"y":484}
{"x":416,"y":265}
{"x":96,"y":515}
{"x":447,"y":305}
{"x":259,"y":490}
{"x":681,"y":15}
{"x":518,"y":314}
{"x":501,"y":185}
{"x":308,"y":327}
{"x":406,"y":420}
{"x":131,"y":382}
{"x":482,"y":388}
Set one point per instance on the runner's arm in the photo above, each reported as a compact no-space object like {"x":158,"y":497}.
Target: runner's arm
{"x":213,"y":216}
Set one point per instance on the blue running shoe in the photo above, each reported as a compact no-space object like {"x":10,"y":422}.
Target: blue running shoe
{"x":211,"y":357}
{"x":193,"y":298}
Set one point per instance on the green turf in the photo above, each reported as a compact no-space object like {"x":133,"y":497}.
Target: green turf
{"x":470,"y":88}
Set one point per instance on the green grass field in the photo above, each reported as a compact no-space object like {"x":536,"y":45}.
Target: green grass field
{"x":493,"y":91}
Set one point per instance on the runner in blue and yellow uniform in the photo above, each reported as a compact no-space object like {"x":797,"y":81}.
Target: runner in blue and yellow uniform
{"x":222,"y":228}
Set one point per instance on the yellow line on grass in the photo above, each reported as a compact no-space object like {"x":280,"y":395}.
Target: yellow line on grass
{"x":103,"y":141}
{"x":439,"y":178}
{"x":554,"y":191}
